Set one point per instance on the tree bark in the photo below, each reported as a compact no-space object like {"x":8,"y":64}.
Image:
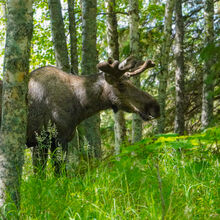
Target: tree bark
{"x":14,"y":111}
{"x":89,"y":61}
{"x":163,"y":76}
{"x":113,"y":48}
{"x":75,"y":147}
{"x":39,"y":157}
{"x":58,"y":35}
{"x":135,"y":51}
{"x":112,"y":33}
{"x":179,"y":124}
{"x":208,"y":78}
{"x":73,"y":39}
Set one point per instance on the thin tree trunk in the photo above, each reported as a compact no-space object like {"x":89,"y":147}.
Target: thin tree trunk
{"x":179,"y":55}
{"x":73,"y":38}
{"x":208,"y":88}
{"x":135,"y":51}
{"x":62,"y":62}
{"x":89,"y":61}
{"x":14,"y":109}
{"x":58,"y":34}
{"x":75,"y":147}
{"x":119,"y":130}
{"x":112,"y":33}
{"x":112,"y":37}
{"x":163,"y":76}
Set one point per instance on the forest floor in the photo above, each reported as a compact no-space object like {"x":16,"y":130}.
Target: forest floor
{"x":162,"y":177}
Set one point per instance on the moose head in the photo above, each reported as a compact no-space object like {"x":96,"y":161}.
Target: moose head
{"x":122,"y":93}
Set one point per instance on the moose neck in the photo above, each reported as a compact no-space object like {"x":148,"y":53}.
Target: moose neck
{"x":92,"y":96}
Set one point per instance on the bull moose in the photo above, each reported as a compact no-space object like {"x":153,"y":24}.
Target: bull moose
{"x":66,"y":100}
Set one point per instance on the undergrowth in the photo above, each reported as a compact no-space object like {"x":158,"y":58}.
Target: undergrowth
{"x":162,"y":177}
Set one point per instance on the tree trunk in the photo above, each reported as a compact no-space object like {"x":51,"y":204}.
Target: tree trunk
{"x":89,"y":61}
{"x":39,"y":157}
{"x":208,"y":88}
{"x":179,"y":55}
{"x":135,"y":51}
{"x":73,"y":38}
{"x":58,"y":34}
{"x":14,"y":110}
{"x":75,"y":147}
{"x":163,"y":76}
{"x":112,"y":33}
{"x":112,"y":37}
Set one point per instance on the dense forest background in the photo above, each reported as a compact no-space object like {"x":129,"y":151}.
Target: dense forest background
{"x":196,"y":51}
{"x":142,"y":170}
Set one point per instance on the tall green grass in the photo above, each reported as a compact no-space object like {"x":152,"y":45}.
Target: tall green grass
{"x":163,"y":177}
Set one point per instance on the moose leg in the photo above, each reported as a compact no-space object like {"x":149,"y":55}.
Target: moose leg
{"x":39,"y":159}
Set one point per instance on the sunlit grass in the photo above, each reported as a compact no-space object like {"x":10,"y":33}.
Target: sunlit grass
{"x":130,"y":188}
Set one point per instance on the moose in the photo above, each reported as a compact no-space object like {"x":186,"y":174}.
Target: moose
{"x":66,"y":100}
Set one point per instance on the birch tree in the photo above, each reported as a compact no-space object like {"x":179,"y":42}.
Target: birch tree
{"x":208,"y":87}
{"x":135,"y":51}
{"x":14,"y":112}
{"x":163,"y":76}
{"x":113,"y":45}
{"x":179,"y":79}
{"x":89,"y":62}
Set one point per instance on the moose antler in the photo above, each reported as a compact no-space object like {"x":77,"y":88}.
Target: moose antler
{"x":139,"y":68}
{"x":129,"y":67}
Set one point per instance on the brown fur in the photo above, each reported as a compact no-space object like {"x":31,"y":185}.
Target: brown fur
{"x":66,"y":100}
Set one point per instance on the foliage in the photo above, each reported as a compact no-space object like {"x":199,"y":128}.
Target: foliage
{"x":183,"y":170}
{"x":42,"y":50}
{"x":129,"y":188}
{"x":151,"y":34}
